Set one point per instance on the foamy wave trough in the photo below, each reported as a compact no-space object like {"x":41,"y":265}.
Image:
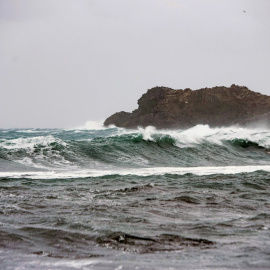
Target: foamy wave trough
{"x":139,"y":172}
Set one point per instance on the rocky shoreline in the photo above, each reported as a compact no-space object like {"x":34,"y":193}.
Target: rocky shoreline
{"x":164,"y":107}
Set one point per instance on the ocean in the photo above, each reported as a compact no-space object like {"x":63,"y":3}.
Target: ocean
{"x":114,"y":198}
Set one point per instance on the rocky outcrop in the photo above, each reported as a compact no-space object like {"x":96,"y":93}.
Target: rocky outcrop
{"x":164,"y":107}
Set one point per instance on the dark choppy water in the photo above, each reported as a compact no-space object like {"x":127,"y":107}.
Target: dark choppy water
{"x":135,"y":199}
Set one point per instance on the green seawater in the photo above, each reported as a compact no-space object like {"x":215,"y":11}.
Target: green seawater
{"x":135,"y":199}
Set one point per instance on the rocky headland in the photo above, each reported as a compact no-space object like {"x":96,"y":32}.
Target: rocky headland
{"x":164,"y":107}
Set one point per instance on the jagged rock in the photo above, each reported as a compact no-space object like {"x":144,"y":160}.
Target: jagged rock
{"x":164,"y":107}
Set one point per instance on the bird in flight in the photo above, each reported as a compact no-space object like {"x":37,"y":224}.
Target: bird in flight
{"x":244,"y":11}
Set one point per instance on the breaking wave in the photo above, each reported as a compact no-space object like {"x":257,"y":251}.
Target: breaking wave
{"x":112,"y":148}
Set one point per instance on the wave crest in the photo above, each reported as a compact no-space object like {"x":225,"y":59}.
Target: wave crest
{"x":204,"y":134}
{"x":142,"y":147}
{"x":39,"y":152}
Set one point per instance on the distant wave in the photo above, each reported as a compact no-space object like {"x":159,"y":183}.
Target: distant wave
{"x":93,"y":125}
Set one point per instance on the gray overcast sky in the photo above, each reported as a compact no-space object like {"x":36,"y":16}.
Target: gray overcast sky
{"x":64,"y":62}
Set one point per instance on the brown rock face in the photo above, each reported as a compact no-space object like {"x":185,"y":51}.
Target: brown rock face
{"x":164,"y":107}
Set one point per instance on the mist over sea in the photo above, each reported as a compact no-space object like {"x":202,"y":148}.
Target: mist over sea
{"x":115,"y":198}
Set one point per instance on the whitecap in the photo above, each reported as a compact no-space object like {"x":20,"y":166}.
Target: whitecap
{"x":203,"y":133}
{"x":29,"y":143}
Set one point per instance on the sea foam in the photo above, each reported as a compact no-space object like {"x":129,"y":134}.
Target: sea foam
{"x":30,"y":143}
{"x":137,"y":172}
{"x":203,"y":133}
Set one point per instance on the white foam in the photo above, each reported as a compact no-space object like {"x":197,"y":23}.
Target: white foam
{"x":148,"y":132}
{"x":137,"y":172}
{"x":203,"y":133}
{"x":29,"y":143}
{"x":36,"y":158}
{"x":75,"y":264}
{"x":32,"y":131}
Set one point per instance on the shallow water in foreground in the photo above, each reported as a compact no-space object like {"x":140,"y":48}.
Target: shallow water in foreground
{"x":141,"y":199}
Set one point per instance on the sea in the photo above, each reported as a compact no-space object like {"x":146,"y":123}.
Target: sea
{"x":115,"y":198}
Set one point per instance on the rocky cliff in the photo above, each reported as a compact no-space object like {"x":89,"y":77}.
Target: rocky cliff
{"x":164,"y":107}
